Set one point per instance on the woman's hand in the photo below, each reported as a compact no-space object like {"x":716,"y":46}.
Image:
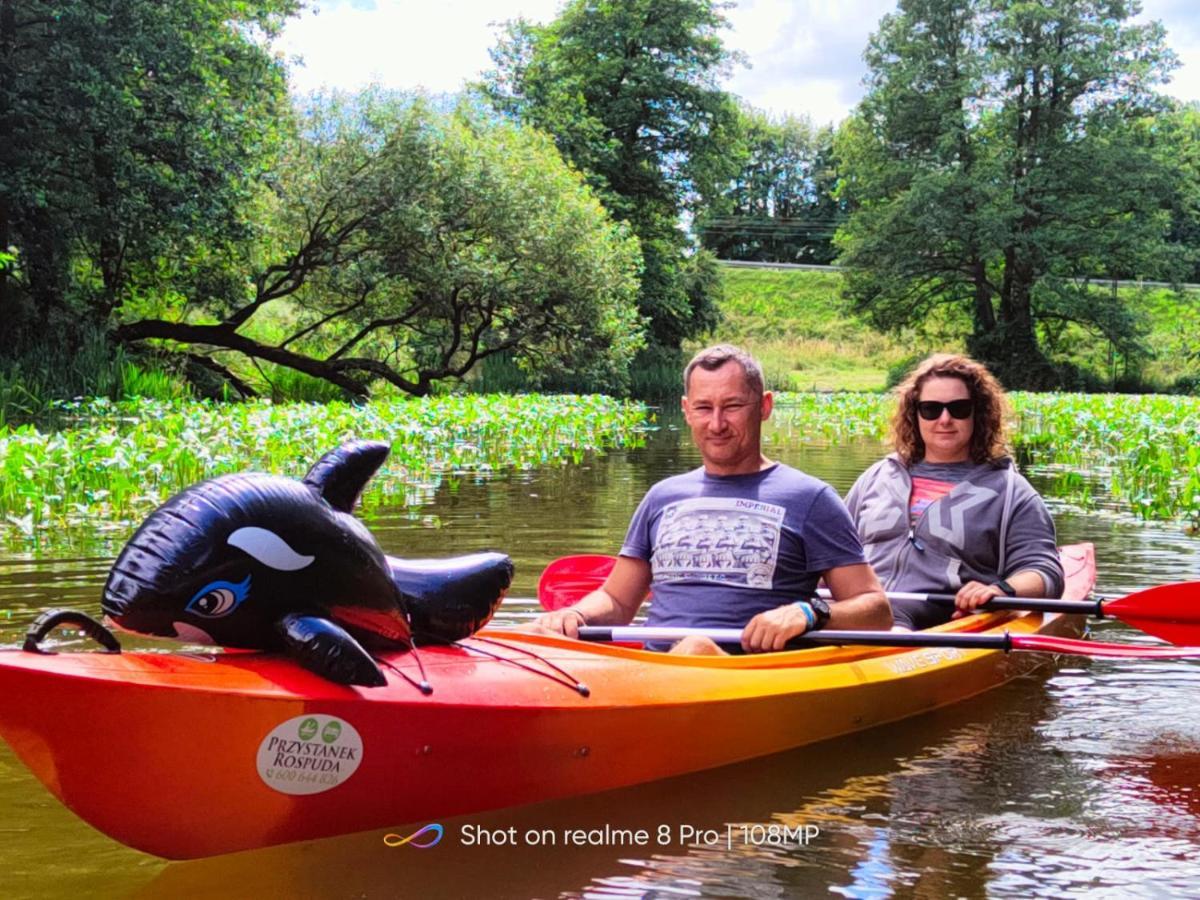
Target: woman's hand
{"x":973,"y":595}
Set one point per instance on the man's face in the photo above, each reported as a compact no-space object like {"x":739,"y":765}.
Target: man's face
{"x":726,"y":418}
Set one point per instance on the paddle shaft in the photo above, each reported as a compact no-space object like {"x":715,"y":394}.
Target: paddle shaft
{"x":1041,"y":643}
{"x":1069,"y":607}
{"x":733,"y":637}
{"x":1030,"y":604}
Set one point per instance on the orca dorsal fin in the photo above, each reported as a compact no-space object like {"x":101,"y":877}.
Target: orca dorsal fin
{"x":341,"y":474}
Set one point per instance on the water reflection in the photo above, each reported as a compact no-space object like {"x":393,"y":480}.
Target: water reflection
{"x":849,"y":791}
{"x":1087,"y":781}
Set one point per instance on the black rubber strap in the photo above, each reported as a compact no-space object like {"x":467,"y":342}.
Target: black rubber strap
{"x":53,"y":618}
{"x":1006,"y":587}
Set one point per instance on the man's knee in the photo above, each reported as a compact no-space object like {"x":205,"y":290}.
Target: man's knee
{"x":697,"y":645}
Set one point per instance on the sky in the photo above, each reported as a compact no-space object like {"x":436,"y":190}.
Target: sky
{"x":805,"y":55}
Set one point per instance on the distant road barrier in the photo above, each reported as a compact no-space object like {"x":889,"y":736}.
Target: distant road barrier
{"x":747,"y":264}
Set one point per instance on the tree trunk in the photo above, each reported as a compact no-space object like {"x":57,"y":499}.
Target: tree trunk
{"x":8,"y":34}
{"x":1011,"y":348}
{"x":45,"y":262}
{"x":985,"y":315}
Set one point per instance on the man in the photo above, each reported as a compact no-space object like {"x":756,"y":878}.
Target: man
{"x":780,"y":532}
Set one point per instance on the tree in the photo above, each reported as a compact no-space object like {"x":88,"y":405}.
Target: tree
{"x":133,"y":133}
{"x":409,"y":246}
{"x":1175,"y":139}
{"x":628,"y":89}
{"x":779,"y":206}
{"x":994,"y":166}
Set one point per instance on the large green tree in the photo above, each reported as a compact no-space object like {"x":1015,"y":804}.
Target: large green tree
{"x":408,"y":246}
{"x":995,"y":166}
{"x":629,"y":90}
{"x":779,"y":206}
{"x":132,"y":132}
{"x":1175,"y":138}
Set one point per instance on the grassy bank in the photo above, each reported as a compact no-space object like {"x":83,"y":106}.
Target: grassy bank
{"x":809,"y":338}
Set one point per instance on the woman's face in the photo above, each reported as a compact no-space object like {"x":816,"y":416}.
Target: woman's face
{"x":947,"y":439}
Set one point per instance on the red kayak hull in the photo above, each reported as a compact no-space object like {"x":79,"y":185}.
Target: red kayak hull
{"x":189,"y":755}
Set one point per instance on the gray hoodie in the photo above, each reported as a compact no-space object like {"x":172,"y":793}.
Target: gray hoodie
{"x":990,"y":526}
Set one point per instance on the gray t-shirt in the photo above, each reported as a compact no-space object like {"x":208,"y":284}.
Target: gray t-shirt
{"x":724,"y":548}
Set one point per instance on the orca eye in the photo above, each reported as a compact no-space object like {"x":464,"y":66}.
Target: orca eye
{"x":219,"y":598}
{"x":214,"y":603}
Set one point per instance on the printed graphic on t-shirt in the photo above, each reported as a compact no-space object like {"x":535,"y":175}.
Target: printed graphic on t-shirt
{"x":732,"y":541}
{"x":927,"y":491}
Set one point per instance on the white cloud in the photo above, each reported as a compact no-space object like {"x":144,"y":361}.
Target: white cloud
{"x":400,"y":43}
{"x":1182,"y":21}
{"x":806,"y":55}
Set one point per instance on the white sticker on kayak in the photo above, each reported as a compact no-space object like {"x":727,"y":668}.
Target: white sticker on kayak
{"x":309,"y":754}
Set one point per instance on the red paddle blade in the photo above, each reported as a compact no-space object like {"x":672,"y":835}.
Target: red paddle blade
{"x":571,"y":578}
{"x":1169,"y":611}
{"x":1050,"y":644}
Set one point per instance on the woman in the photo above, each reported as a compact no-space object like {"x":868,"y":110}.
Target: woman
{"x":947,"y":512}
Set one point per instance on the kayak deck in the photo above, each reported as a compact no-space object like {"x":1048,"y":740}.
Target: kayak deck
{"x":213,"y":753}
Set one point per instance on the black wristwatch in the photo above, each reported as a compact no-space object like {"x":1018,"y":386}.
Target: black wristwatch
{"x":821,"y":610}
{"x":1006,"y":587}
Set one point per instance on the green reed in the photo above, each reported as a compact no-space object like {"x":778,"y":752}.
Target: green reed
{"x":112,"y":463}
{"x":1138,"y":454}
{"x":1142,"y":451}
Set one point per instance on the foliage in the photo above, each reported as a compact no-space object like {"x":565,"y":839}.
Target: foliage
{"x":780,"y":205}
{"x":134,"y":132}
{"x":1134,"y":454}
{"x":410,"y":245}
{"x":808,"y":336}
{"x":31,"y":383}
{"x":995,"y":166}
{"x":629,"y":90}
{"x":1142,"y":451}
{"x":1174,"y":138}
{"x":93,"y":481}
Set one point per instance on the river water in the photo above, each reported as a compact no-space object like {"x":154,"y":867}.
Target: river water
{"x":1082,"y":777}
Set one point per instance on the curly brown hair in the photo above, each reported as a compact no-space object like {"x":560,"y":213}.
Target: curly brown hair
{"x":989,"y":440}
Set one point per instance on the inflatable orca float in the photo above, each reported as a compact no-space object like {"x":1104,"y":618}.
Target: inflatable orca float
{"x":265,"y":562}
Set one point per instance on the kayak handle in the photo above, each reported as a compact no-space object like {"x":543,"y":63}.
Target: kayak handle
{"x":53,"y":618}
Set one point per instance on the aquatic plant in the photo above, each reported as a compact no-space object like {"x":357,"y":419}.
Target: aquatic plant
{"x":1142,"y":450}
{"x":1134,"y":453}
{"x":114,"y":462}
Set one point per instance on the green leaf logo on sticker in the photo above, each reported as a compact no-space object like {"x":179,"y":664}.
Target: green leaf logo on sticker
{"x":302,"y":767}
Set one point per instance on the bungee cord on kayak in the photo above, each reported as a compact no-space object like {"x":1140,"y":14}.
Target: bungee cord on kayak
{"x":567,"y":678}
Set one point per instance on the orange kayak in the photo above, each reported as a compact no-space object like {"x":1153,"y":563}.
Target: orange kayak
{"x":186,"y":755}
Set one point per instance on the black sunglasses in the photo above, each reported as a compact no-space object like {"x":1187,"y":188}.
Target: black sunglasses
{"x":931,"y":410}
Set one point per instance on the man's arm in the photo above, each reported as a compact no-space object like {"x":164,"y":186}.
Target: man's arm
{"x":859,"y":604}
{"x":615,"y":602}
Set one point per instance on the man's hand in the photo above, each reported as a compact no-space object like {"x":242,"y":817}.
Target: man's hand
{"x":615,"y":602}
{"x":771,"y":630}
{"x":565,"y":621}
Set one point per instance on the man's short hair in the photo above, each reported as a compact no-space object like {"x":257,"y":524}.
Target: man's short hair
{"x":712,"y":358}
